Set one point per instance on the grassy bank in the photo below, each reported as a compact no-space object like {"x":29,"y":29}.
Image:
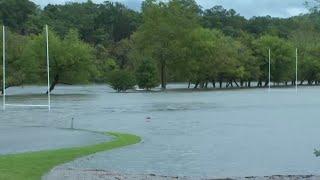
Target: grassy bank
{"x":31,"y":166}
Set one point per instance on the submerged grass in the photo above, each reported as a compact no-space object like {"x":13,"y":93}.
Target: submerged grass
{"x":33,"y":165}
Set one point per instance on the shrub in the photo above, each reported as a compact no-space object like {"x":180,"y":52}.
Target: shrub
{"x":121,"y":80}
{"x":147,"y":75}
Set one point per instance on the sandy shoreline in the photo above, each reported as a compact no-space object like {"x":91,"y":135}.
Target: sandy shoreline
{"x":89,"y":174}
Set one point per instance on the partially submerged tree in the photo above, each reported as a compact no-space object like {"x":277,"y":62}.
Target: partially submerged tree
{"x":71,"y":60}
{"x":19,"y":68}
{"x":308,"y":44}
{"x":282,"y":60}
{"x":165,"y":26}
{"x":147,"y":75}
{"x":213,"y":57}
{"x":121,"y":80}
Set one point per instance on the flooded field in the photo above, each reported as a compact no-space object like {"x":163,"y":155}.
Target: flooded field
{"x":185,"y":133}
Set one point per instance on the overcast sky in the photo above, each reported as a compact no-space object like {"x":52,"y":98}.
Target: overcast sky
{"x":247,"y":8}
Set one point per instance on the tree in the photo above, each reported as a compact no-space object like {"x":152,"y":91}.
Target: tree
{"x":107,"y":68}
{"x":214,"y":57}
{"x":116,"y":19}
{"x":71,"y":60}
{"x":121,"y":51}
{"x":165,"y":26}
{"x":147,"y":75}
{"x":203,"y":52}
{"x":248,"y":61}
{"x":19,"y":68}
{"x":62,"y":18}
{"x":228,"y":21}
{"x":15,"y":13}
{"x":308,"y":44}
{"x":282,"y":59}
{"x":121,"y":80}
{"x":313,"y":5}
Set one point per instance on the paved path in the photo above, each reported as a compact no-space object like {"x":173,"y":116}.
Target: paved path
{"x":60,"y":173}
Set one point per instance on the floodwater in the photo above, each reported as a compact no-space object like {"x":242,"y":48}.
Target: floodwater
{"x":190,"y":133}
{"x":25,"y":139}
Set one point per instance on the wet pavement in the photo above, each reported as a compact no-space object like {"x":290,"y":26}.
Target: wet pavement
{"x":87,"y":174}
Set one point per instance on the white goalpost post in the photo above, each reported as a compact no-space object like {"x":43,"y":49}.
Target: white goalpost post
{"x":4,"y":66}
{"x":4,"y":74}
{"x":296,"y":69}
{"x":296,"y":66}
{"x":48,"y":68}
{"x":269,"y":70}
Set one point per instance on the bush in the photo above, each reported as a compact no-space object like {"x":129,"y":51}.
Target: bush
{"x":121,"y":80}
{"x":147,"y":75}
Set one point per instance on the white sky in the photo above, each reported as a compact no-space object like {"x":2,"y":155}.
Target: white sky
{"x":247,"y":8}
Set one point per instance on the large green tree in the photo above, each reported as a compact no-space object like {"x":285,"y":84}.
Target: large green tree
{"x":308,"y":44}
{"x":62,"y":18}
{"x":15,"y":14}
{"x":165,"y":27}
{"x":282,"y":59}
{"x":71,"y":60}
{"x":147,"y":75}
{"x":214,"y":57}
{"x":228,"y":21}
{"x":19,"y":68}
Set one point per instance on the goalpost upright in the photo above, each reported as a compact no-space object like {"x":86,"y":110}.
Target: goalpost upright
{"x":4,"y":72}
{"x":296,"y":69}
{"x":269,"y":70}
{"x":4,"y":66}
{"x":48,"y":68}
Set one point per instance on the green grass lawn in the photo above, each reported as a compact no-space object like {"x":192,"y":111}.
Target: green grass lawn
{"x":33,"y":165}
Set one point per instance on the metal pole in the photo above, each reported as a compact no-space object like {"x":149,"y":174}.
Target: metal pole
{"x":296,"y":69}
{"x":4,"y":67}
{"x":269,"y":70}
{"x":48,"y":68}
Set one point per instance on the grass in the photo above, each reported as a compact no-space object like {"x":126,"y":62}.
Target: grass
{"x":33,"y":165}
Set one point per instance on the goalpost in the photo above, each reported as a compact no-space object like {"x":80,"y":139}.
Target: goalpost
{"x":296,"y":80}
{"x":4,"y":74}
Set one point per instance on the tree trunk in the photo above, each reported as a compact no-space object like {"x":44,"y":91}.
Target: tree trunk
{"x":213,"y":83}
{"x":259,"y":83}
{"x":221,"y":82}
{"x":236,"y":83}
{"x":227,"y":84}
{"x":196,"y":85}
{"x":163,"y":73}
{"x":249,"y":83}
{"x":54,"y":83}
{"x":242,"y":83}
{"x":189,"y":84}
{"x":201,"y":85}
{"x":206,"y":85}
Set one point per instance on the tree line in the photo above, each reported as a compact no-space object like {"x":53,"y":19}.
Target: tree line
{"x":166,"y":41}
